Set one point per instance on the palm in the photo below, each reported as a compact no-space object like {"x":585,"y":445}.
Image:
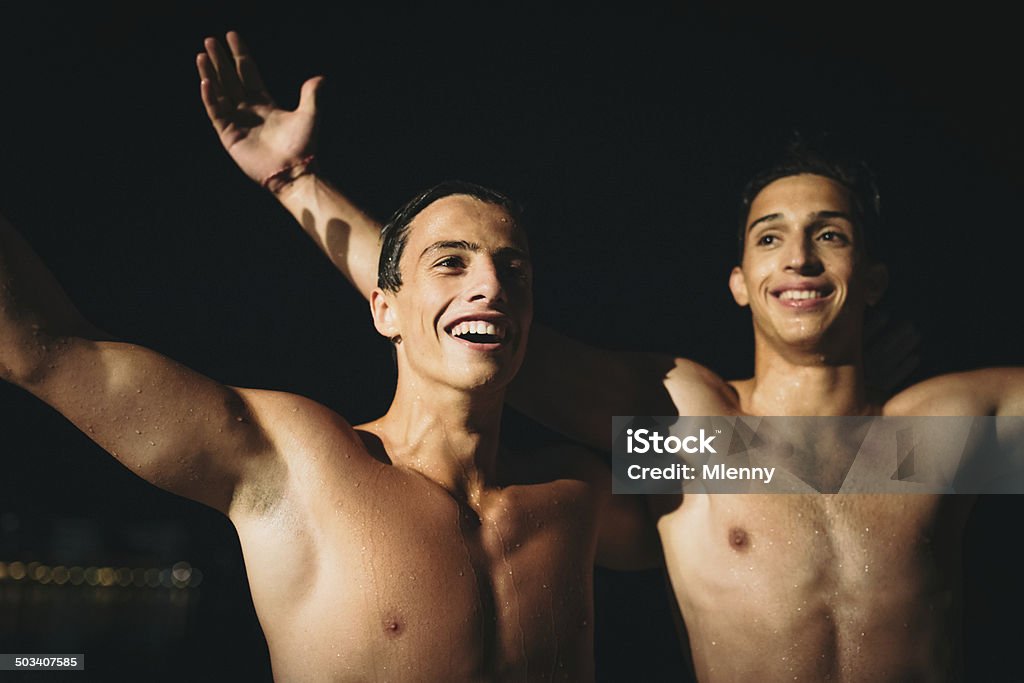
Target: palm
{"x":261,"y":137}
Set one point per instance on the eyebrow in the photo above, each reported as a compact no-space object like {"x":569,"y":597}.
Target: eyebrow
{"x":463,"y":245}
{"x":817,"y":215}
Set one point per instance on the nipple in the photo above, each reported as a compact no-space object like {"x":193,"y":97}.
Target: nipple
{"x":392,"y":628}
{"x":738,"y":538}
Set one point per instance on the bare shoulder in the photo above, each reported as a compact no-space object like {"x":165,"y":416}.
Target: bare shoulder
{"x":697,"y":390}
{"x":289,"y":417}
{"x":304,"y":435}
{"x":989,"y":391}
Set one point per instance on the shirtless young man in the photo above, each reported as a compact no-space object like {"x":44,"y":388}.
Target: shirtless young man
{"x":429,"y":554}
{"x":794,"y":587}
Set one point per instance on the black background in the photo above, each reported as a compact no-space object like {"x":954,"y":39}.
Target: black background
{"x":627,"y":135}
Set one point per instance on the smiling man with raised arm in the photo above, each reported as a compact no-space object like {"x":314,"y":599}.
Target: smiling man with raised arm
{"x":428,"y":552}
{"x":788,"y":587}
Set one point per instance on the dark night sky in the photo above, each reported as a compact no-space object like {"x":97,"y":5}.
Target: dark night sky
{"x":627,"y":137}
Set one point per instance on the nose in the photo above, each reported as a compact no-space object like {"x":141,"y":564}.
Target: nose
{"x":485,"y":282}
{"x":802,"y":258}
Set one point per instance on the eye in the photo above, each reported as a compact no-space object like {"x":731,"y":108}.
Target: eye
{"x":834,"y":236}
{"x":766,"y":240}
{"x":450,"y":263}
{"x":517,"y":270}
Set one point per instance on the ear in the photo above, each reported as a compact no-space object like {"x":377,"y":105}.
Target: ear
{"x":738,"y":286}
{"x":385,"y":317}
{"x":876,"y":282}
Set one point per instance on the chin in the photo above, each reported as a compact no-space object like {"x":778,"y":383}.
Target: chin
{"x":483,"y":378}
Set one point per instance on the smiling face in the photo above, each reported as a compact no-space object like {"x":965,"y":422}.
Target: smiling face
{"x":464,"y":307}
{"x":804,"y":273}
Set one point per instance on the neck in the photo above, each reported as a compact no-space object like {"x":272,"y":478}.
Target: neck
{"x":806,"y":382}
{"x":448,"y":435}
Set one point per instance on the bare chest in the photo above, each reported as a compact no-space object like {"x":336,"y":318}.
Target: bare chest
{"x":396,"y":570}
{"x":817,"y":580}
{"x":786,"y":543}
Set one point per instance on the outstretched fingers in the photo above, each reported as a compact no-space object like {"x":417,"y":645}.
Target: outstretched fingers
{"x":249,"y":75}
{"x":210,"y":91}
{"x":224,"y":66}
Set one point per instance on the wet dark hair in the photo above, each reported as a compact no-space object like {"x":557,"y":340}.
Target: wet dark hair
{"x":395,"y":233}
{"x":822,"y":157}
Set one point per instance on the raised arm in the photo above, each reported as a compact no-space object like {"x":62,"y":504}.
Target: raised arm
{"x":991,"y":391}
{"x":276,"y":148}
{"x":169,"y":425}
{"x":566,"y":385}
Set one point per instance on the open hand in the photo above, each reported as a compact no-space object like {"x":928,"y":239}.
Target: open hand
{"x":261,"y":137}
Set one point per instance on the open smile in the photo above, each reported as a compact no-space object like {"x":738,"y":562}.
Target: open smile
{"x":481,"y":335}
{"x":803,"y":297}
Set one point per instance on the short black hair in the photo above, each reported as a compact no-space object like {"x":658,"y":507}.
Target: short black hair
{"x":824,"y":158}
{"x":395,"y":233}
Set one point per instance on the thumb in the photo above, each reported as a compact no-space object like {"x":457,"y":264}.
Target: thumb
{"x":308,"y":95}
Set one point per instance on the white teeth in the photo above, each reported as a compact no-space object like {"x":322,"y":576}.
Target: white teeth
{"x":478,"y":327}
{"x":791,"y":294}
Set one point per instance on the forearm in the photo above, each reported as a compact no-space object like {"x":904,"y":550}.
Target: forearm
{"x":35,"y":313}
{"x":349,"y":237}
{"x":575,"y":389}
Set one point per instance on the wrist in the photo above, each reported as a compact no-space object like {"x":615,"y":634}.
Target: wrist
{"x":281,"y":180}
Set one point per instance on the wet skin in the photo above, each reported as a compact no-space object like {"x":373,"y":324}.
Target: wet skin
{"x":364,"y":570}
{"x":807,"y":283}
{"x":429,"y":559}
{"x":406,"y":549}
{"x":814,"y":587}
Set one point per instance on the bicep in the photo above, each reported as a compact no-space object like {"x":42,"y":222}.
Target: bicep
{"x":168,"y":424}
